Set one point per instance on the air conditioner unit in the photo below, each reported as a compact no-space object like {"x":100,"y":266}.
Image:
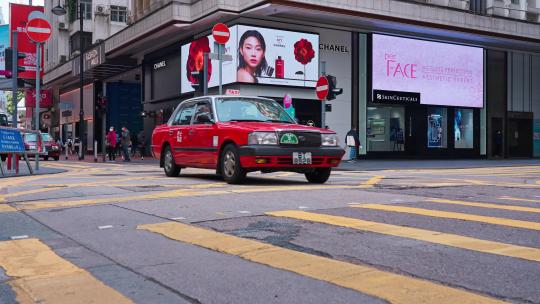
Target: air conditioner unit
{"x":101,"y":10}
{"x":63,"y":59}
{"x":62,"y":26}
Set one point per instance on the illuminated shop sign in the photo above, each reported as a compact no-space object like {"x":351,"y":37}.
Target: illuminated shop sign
{"x":260,"y":55}
{"x":442,"y":74}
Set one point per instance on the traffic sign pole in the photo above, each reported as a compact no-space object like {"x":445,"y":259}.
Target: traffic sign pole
{"x":220,"y":70}
{"x":38,"y":97}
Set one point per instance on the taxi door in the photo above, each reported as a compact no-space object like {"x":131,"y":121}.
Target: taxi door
{"x":178,"y":132}
{"x":202,"y":136}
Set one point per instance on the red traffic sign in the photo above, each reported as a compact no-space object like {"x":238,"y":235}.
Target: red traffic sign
{"x":322,"y":88}
{"x":221,"y":33}
{"x":38,"y":30}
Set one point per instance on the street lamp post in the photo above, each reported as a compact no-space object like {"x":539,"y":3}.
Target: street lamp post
{"x":60,"y":11}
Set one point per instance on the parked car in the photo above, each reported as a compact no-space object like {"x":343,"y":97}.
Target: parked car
{"x":52,"y":149}
{"x":33,"y":143}
{"x":235,"y":135}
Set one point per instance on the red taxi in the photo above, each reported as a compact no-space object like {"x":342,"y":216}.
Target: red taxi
{"x":235,"y":135}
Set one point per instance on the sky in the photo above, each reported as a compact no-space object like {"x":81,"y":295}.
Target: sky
{"x":5,"y":6}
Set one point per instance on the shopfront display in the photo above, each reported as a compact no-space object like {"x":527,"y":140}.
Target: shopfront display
{"x":425,"y":98}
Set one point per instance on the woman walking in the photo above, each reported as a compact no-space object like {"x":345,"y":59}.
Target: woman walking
{"x":111,"y":144}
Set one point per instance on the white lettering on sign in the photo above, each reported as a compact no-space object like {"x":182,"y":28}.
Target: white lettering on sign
{"x":160,"y":65}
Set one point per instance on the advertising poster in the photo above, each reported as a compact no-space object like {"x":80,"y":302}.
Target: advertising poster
{"x":4,"y":43}
{"x":30,"y":98}
{"x":437,"y":122}
{"x":536,"y":137}
{"x":19,"y":16}
{"x":441,"y":73}
{"x":193,"y":59}
{"x":278,"y":57}
{"x":463,"y":129}
{"x":260,"y":55}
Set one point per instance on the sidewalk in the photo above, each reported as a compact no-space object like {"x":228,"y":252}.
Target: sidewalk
{"x":148,"y":160}
{"x":23,"y":170}
{"x":411,"y":164}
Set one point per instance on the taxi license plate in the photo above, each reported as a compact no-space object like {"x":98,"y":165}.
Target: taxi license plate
{"x":300,"y":158}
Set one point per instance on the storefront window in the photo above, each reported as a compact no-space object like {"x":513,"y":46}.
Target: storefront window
{"x":437,"y":120}
{"x":463,"y":129}
{"x":385,"y":129}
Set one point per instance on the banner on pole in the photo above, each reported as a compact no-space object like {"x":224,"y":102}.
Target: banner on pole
{"x":19,"y":18}
{"x":30,"y":98}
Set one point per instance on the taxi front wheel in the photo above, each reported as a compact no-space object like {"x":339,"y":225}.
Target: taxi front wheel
{"x":231,"y":169}
{"x":319,"y":176}
{"x":169,"y":166}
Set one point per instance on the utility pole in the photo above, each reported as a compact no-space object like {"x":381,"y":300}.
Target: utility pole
{"x":81,"y":84}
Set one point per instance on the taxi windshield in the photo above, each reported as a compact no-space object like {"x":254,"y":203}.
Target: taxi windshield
{"x":45,"y":137}
{"x":251,"y":109}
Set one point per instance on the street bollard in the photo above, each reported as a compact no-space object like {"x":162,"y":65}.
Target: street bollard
{"x":66,"y":148}
{"x":95,"y":151}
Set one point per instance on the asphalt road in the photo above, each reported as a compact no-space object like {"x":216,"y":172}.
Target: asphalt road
{"x":116,"y":233}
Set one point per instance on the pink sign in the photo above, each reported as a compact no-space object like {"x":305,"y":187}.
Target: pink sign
{"x":443,"y":74}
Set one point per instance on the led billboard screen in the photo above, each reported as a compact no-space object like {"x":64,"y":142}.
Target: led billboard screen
{"x":442,"y":74}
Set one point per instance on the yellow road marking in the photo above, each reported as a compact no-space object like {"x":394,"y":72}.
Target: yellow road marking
{"x":6,"y":208}
{"x":488,"y":183}
{"x":372,"y":181}
{"x":519,"y":199}
{"x":392,"y":287}
{"x":453,"y":215}
{"x":41,"y":276}
{"x":25,"y":192}
{"x":435,"y":237}
{"x":484,"y":205}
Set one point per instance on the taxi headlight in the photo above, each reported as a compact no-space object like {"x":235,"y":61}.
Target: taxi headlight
{"x":262,"y":138}
{"x":329,"y":140}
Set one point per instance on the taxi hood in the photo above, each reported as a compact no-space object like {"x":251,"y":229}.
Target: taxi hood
{"x":272,"y":126}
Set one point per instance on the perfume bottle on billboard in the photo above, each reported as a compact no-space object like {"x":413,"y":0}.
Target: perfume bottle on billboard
{"x":280,"y":67}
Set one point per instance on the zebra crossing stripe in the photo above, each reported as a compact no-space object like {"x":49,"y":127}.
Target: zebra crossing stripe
{"x":394,"y":288}
{"x":435,"y":237}
{"x":453,"y":215}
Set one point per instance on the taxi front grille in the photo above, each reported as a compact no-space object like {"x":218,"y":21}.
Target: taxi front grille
{"x":305,"y":139}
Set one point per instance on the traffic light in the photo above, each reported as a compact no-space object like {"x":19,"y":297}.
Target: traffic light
{"x":332,"y":90}
{"x":9,"y":61}
{"x":199,"y":86}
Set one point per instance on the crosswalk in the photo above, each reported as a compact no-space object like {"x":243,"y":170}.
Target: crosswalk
{"x":42,"y":275}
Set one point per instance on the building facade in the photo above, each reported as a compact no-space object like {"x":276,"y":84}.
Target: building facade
{"x":420,"y":79}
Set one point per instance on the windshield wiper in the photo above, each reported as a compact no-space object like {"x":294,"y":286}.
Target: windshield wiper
{"x":247,"y":120}
{"x":278,"y":120}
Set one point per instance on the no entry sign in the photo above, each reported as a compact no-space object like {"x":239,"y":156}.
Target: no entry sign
{"x":221,"y":33}
{"x":38,"y":30}
{"x":322,"y":88}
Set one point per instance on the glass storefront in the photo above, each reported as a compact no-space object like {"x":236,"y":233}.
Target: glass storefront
{"x":385,"y":128}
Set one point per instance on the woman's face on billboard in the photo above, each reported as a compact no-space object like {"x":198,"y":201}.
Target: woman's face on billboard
{"x":252,"y":52}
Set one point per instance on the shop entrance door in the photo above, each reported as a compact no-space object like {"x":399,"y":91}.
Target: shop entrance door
{"x":415,"y":131}
{"x":520,"y":134}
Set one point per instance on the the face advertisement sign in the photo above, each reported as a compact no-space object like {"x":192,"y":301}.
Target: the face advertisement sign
{"x":406,"y":70}
{"x":260,"y":55}
{"x":19,"y":17}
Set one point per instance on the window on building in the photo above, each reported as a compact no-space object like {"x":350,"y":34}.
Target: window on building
{"x":86,"y":9}
{"x":74,"y":43}
{"x":118,"y":13}
{"x":385,"y":129}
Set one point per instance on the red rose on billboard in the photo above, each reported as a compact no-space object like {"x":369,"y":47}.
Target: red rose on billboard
{"x":195,"y":60}
{"x":303,"y":51}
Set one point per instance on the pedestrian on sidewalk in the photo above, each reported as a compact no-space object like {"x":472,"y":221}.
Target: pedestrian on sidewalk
{"x":353,"y":143}
{"x":126,"y":143}
{"x":111,"y":144}
{"x":141,"y":138}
